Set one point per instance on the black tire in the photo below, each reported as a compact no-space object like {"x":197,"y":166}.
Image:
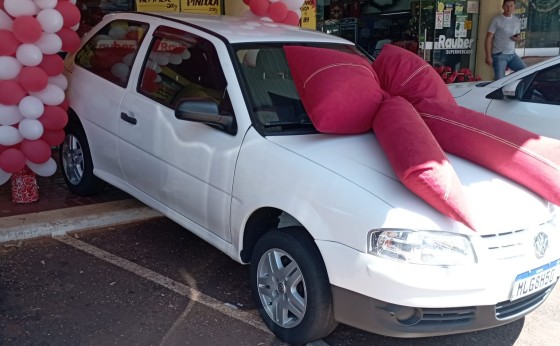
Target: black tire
{"x":313,"y":317}
{"x":76,"y":162}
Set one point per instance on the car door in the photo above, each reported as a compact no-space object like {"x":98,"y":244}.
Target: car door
{"x":186,"y":168}
{"x":537,"y":105}
{"x":100,"y":80}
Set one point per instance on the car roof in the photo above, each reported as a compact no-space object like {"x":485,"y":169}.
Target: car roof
{"x":236,"y":29}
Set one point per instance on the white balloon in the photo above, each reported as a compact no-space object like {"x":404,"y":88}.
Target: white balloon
{"x":175,"y":59}
{"x":9,"y":135}
{"x":162,"y":59}
{"x":158,"y":79}
{"x":117,"y":33}
{"x":293,"y":4}
{"x":49,"y":43}
{"x":31,"y":107}
{"x":45,"y":169}
{"x":4,"y":176}
{"x":128,"y":59}
{"x":186,"y":54}
{"x":31,"y":129}
{"x":52,"y":95}
{"x":29,"y":54}
{"x":75,"y":27}
{"x":9,"y":115}
{"x":60,"y":81}
{"x":42,"y":4}
{"x":120,"y":70}
{"x":5,"y":21}
{"x":17,"y":8}
{"x":51,"y":20}
{"x":9,"y":67}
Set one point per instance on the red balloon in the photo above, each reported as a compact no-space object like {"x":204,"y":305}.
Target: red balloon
{"x":33,"y":78}
{"x":53,"y":138}
{"x":11,"y":92}
{"x":8,"y":43}
{"x":291,"y":19}
{"x":278,"y":11}
{"x":70,"y":13}
{"x":27,"y":29}
{"x":52,"y":64}
{"x":64,"y":105}
{"x":36,"y":151}
{"x":70,"y":39}
{"x":53,"y":118}
{"x":12,"y":161}
{"x":259,"y":7}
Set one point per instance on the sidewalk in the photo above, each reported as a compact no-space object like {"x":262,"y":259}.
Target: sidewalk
{"x":58,"y":210}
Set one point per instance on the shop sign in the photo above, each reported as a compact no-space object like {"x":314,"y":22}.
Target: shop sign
{"x":309,"y":15}
{"x":201,"y":6}
{"x":454,"y":45}
{"x":157,"y":5}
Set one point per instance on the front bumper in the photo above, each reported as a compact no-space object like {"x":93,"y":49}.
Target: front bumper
{"x":388,"y":319}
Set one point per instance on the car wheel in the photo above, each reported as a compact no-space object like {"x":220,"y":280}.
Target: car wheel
{"x":76,"y":162}
{"x":290,"y":285}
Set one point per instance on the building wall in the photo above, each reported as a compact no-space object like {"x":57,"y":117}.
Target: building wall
{"x":487,"y":10}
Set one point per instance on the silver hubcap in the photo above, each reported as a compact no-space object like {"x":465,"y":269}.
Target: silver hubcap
{"x":72,"y":159}
{"x":281,"y":288}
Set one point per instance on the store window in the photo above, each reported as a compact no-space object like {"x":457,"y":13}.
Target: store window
{"x":540,"y":27}
{"x":92,"y":11}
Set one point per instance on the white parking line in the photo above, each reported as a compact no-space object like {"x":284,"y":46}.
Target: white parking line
{"x":164,"y":281}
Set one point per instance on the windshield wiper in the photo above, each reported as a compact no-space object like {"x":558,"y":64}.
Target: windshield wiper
{"x":289,"y":124}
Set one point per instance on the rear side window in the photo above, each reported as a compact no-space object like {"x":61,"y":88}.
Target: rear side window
{"x":111,"y":52}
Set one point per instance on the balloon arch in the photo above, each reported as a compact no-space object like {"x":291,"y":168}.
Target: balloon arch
{"x":32,"y":99}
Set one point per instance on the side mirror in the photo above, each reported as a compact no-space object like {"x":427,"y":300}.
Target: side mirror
{"x":510,"y":89}
{"x":204,"y":110}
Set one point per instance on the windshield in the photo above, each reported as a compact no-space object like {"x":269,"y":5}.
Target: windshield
{"x":275,"y":104}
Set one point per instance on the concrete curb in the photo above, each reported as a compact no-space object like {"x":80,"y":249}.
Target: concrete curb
{"x":74,"y":219}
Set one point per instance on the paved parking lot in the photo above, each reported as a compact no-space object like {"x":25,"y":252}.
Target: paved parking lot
{"x":153,"y":283}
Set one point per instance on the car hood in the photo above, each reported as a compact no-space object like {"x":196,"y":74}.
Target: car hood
{"x":496,"y":203}
{"x":460,"y":89}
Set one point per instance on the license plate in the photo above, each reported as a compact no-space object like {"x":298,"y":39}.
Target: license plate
{"x":534,"y":280}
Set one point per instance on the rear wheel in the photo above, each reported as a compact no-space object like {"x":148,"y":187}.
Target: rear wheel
{"x":291,"y":287}
{"x":77,"y":164}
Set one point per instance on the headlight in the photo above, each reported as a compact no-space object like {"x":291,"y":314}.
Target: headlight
{"x":421,"y":247}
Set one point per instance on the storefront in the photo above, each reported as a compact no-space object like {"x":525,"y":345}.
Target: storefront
{"x":447,"y":33}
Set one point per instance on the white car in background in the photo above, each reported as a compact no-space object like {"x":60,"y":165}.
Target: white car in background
{"x":529,"y":98}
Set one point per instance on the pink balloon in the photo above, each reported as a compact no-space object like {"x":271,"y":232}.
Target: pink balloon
{"x":278,"y":11}
{"x":70,"y":13}
{"x":52,"y":64}
{"x":54,"y":118}
{"x":291,"y":19}
{"x":8,"y":42}
{"x":70,"y":40}
{"x":259,"y":7}
{"x":12,"y":92}
{"x":53,"y":138}
{"x":33,"y":78}
{"x":12,"y":160}
{"x":37,"y":151}
{"x":27,"y":29}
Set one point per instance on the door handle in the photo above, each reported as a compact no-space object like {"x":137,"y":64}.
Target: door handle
{"x":128,"y":118}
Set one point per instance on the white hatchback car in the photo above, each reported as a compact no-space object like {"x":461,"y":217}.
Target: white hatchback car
{"x":529,"y":98}
{"x":199,"y":118}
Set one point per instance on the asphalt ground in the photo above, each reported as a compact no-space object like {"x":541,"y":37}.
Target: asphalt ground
{"x":151,"y":282}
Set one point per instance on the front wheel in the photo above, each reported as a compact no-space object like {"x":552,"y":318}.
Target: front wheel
{"x":290,"y":285}
{"x":76,"y":162}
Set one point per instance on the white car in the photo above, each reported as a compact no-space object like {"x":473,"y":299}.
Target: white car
{"x":198,"y":117}
{"x":529,"y":98}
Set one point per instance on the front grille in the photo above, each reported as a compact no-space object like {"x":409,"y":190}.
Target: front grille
{"x":508,"y":245}
{"x":508,"y":309}
{"x":432,"y":317}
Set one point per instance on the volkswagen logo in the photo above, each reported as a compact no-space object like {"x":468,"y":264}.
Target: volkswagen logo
{"x":541,"y":244}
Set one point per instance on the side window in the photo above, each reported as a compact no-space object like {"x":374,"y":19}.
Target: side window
{"x":112,"y":50}
{"x":182,"y":66}
{"x":544,"y":86}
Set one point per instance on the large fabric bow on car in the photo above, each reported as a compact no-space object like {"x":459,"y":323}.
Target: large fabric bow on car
{"x":416,"y":120}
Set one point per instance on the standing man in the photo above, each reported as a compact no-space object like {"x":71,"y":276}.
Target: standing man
{"x":502,"y":35}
